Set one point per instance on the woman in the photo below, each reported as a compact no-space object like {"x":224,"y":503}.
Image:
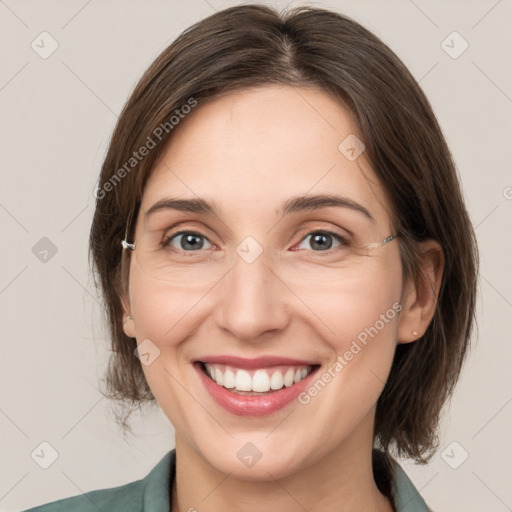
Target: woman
{"x":279,"y":275}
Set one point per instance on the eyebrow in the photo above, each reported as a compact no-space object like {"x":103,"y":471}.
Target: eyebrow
{"x":292,"y":205}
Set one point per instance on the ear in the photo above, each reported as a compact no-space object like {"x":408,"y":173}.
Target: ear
{"x":128,"y":322}
{"x":420,"y":299}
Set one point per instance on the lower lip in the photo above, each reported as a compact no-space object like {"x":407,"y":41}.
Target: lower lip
{"x":247,"y":405}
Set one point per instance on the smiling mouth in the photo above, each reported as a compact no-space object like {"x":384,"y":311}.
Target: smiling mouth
{"x":256,"y":382}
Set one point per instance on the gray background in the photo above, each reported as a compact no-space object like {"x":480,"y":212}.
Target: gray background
{"x":57,"y":116}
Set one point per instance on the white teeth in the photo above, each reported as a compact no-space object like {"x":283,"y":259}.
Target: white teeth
{"x":276,"y":381}
{"x":288,"y":378}
{"x":229,"y":379}
{"x":243,"y":381}
{"x":259,"y":381}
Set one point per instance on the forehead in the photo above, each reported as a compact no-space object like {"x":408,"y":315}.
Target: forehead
{"x":261,"y":146}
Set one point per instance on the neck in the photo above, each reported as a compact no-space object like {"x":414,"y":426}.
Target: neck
{"x":341,"y":481}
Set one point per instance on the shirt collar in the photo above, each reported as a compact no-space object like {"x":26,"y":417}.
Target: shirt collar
{"x":158,"y":484}
{"x":407,"y":497}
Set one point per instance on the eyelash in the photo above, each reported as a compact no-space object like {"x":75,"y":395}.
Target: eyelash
{"x":343,"y":241}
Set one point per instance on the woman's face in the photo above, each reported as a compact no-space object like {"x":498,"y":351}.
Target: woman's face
{"x":261,"y":288}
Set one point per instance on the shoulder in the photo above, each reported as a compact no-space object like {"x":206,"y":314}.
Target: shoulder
{"x":126,"y":497}
{"x":152,"y":490}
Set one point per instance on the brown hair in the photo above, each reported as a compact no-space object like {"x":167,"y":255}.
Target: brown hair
{"x":253,"y":45}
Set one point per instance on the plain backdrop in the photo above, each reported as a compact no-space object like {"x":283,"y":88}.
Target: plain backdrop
{"x":57,"y":114}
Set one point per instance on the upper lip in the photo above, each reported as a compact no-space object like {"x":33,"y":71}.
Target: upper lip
{"x":257,"y":362}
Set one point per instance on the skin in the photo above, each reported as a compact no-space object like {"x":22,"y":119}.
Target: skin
{"x":249,"y":152}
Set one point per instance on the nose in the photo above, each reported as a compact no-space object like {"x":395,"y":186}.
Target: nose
{"x":253,"y":301}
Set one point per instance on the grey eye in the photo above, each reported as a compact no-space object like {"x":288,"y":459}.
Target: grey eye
{"x":187,"y":241}
{"x":322,"y":240}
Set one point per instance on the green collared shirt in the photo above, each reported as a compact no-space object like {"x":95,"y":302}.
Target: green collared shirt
{"x":152,"y":494}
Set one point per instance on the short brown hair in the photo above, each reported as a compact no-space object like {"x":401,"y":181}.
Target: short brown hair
{"x":254,"y":45}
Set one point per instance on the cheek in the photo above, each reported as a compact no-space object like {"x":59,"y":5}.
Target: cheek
{"x":160,"y":311}
{"x":162,"y":315}
{"x":349,"y":305}
{"x":360,"y":320}
{"x":361,"y":350}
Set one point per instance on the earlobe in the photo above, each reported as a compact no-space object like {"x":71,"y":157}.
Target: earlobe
{"x":420,"y":300}
{"x":128,"y":322}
